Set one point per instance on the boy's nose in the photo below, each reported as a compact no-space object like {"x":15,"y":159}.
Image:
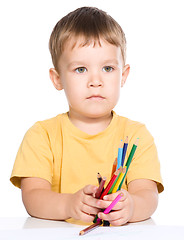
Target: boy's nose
{"x":95,"y":81}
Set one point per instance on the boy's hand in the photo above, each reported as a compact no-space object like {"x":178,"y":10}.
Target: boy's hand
{"x":122,"y":211}
{"x":83,"y":205}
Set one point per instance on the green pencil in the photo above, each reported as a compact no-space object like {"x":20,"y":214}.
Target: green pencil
{"x":129,"y":160}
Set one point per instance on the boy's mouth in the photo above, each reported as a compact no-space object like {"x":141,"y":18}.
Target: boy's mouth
{"x":95,"y":97}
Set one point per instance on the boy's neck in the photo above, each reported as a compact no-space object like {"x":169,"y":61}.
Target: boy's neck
{"x":88,"y":125}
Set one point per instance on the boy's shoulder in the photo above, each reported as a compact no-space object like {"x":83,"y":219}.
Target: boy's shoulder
{"x":132,"y":127}
{"x":47,"y":126}
{"x":127,"y":122}
{"x":50,"y":122}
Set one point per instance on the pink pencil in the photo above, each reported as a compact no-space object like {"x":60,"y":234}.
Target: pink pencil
{"x":116,"y":200}
{"x":113,"y":203}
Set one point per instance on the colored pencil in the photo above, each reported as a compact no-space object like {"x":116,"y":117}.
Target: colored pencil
{"x":120,"y":152}
{"x":99,"y":177}
{"x":113,"y":203}
{"x":129,"y":160}
{"x":124,"y":151}
{"x":112,"y":187}
{"x":120,"y":177}
{"x":90,"y":228}
{"x":114,"y":167}
{"x":106,"y":223}
{"x":100,"y":188}
{"x":106,"y":190}
{"x":95,"y":219}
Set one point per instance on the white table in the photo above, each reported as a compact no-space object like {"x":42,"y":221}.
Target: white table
{"x":37,"y":229}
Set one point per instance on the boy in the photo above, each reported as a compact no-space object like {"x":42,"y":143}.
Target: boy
{"x":60,"y":156}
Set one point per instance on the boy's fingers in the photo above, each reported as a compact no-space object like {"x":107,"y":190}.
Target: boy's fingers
{"x":119,"y":222}
{"x":111,"y":197}
{"x":89,"y":189}
{"x":104,"y":204}
{"x":91,"y":201}
{"x":112,"y":216}
{"x":86,"y":217}
{"x":88,"y":198}
{"x":89,"y":209}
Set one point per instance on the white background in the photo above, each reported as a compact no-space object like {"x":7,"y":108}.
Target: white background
{"x":153,"y":93}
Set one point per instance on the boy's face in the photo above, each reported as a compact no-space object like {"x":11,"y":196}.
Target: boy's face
{"x":91,"y":77}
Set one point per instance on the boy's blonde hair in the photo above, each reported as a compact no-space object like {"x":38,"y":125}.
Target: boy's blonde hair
{"x":90,"y":23}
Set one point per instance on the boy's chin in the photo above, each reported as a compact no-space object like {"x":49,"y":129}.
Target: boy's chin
{"x":92,"y":112}
{"x":98,"y":114}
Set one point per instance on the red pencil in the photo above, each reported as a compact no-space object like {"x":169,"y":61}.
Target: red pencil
{"x":106,"y":190}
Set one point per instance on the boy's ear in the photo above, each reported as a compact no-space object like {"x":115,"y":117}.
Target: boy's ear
{"x":55,"y":78}
{"x":126,"y":70}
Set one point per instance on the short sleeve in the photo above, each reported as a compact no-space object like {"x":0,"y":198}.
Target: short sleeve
{"x":34,"y":157}
{"x":145,"y":163}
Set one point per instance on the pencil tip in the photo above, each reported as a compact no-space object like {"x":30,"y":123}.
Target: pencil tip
{"x":136,"y":142}
{"x":81,"y":233}
{"x":120,"y":168}
{"x":121,"y":144}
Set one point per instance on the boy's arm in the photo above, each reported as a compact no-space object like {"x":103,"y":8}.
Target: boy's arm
{"x":137,"y":204}
{"x":144,"y":193}
{"x":40,"y":201}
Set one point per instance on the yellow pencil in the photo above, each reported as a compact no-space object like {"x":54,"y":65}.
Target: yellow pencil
{"x":120,"y":177}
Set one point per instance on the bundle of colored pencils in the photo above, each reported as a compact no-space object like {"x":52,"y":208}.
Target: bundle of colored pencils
{"x":99,"y":221}
{"x":118,"y":175}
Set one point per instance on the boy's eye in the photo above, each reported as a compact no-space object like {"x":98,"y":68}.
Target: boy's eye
{"x":107,"y":69}
{"x":80,"y":70}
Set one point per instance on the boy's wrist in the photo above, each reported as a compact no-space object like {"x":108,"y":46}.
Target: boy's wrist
{"x":65,"y":207}
{"x":144,"y":204}
{"x":132,"y":207}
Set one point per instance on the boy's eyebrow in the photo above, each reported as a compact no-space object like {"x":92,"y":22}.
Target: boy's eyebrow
{"x":81,"y":63}
{"x":114,"y":61}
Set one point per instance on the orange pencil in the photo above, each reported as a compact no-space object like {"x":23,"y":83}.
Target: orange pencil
{"x":114,"y":166}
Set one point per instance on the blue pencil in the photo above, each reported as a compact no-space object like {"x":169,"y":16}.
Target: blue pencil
{"x":124,"y":151}
{"x":120,"y":153}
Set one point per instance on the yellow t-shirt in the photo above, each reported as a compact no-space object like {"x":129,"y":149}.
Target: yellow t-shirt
{"x":69,"y":159}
